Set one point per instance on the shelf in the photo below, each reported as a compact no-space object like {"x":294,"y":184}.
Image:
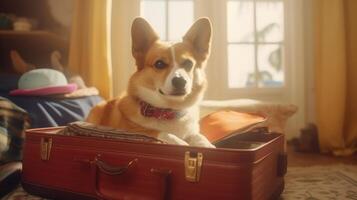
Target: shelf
{"x":33,"y":37}
{"x":36,"y":33}
{"x":12,"y":32}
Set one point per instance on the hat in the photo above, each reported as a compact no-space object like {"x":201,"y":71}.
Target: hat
{"x":41,"y":82}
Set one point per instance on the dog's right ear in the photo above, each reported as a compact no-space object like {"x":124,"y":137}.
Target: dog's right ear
{"x":143,"y":36}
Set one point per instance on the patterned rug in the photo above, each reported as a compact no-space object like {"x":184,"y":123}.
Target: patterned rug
{"x":335,"y":182}
{"x":321,"y":182}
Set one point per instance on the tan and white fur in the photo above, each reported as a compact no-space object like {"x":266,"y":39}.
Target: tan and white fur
{"x":158,"y":64}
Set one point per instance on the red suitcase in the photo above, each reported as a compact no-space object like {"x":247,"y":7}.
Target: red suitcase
{"x":247,"y":166}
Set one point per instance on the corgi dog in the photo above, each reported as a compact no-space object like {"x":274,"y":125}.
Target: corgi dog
{"x":163,"y":95}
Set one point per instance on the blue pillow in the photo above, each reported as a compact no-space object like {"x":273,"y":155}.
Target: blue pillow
{"x":8,"y":82}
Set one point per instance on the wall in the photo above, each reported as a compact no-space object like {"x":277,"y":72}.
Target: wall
{"x":62,"y":11}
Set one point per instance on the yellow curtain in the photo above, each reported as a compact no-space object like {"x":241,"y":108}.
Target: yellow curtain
{"x":334,"y":77}
{"x":89,"y":53}
{"x":351,"y":108}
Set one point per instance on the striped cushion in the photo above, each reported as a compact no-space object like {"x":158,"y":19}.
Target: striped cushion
{"x":91,"y":130}
{"x":13,"y":122}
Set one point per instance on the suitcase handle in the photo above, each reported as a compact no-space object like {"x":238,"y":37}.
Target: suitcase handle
{"x":119,"y":170}
{"x":112,"y":170}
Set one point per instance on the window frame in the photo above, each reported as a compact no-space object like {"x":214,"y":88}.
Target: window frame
{"x":261,"y":93}
{"x":256,"y":44}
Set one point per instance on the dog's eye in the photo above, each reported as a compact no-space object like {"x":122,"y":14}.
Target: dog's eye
{"x":187,"y":64}
{"x":160,"y":64}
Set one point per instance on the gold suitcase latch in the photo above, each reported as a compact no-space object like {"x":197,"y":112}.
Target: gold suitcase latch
{"x":46,"y":145}
{"x":193,"y":166}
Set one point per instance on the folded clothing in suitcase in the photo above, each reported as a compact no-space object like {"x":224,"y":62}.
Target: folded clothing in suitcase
{"x":249,"y":165}
{"x":91,"y":130}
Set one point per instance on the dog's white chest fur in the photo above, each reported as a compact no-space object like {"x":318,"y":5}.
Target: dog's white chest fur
{"x":184,"y":130}
{"x":181,"y":127}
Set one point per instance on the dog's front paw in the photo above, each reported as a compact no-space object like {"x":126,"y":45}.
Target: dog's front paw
{"x":208,"y":145}
{"x":199,"y":140}
{"x":171,"y":139}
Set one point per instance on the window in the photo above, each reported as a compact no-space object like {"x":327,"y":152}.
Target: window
{"x":170,"y":18}
{"x":255,"y":42}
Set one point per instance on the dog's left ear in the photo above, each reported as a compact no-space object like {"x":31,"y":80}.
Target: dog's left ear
{"x":199,"y":35}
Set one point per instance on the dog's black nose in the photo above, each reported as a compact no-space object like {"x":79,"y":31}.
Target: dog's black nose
{"x":179,"y":83}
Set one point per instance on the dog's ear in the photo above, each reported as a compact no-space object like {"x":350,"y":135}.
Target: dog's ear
{"x":199,"y":35}
{"x":143,"y":36}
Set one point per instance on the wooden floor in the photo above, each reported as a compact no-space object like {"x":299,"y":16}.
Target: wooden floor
{"x":308,"y":159}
